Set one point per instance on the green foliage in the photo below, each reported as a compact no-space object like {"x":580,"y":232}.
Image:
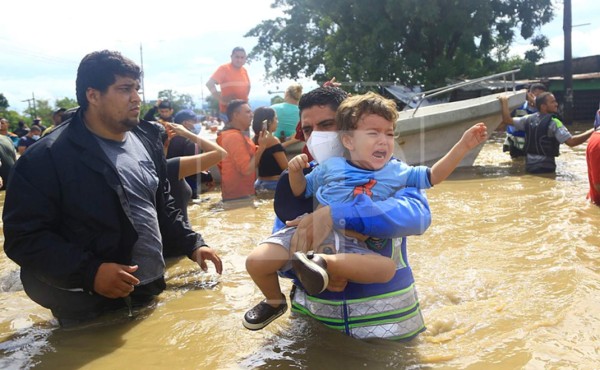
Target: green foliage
{"x":411,"y":42}
{"x":178,"y":101}
{"x":213,"y":105}
{"x":66,"y":103}
{"x":42,"y":110}
{"x":276,"y":100}
{"x":13,"y":118}
{"x":3,"y":103}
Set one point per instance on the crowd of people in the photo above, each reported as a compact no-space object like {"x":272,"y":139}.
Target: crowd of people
{"x":343,"y":209}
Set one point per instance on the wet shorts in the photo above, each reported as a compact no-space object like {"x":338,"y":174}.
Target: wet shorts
{"x":335,"y":242}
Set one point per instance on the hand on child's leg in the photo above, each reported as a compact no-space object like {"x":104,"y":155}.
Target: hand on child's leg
{"x":337,"y":283}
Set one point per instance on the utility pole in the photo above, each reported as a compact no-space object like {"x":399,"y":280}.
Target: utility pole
{"x":29,"y":104}
{"x":568,"y":65}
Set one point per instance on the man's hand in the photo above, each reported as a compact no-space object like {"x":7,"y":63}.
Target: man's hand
{"x":337,"y":284}
{"x":531,"y":99}
{"x":311,"y":231}
{"x":204,"y":253}
{"x":331,"y":83}
{"x":506,"y":118}
{"x":115,"y":281}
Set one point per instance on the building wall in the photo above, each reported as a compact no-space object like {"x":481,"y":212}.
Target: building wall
{"x":586,"y":97}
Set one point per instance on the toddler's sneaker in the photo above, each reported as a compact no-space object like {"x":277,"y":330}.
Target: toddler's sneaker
{"x":311,"y":270}
{"x":262,"y":314}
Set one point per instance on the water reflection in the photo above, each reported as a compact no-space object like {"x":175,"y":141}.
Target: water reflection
{"x":508,"y":277}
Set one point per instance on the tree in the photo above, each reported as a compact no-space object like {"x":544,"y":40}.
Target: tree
{"x":277,"y":99}
{"x":42,"y":110}
{"x":178,"y":101}
{"x":3,"y":103}
{"x":411,"y":42}
{"x":213,"y":105}
{"x":66,"y":103}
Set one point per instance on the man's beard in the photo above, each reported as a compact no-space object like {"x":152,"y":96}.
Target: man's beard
{"x":130,"y":123}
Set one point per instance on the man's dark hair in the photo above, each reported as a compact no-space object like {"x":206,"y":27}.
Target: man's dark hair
{"x":541,"y":99}
{"x":233,"y":106}
{"x":99,"y":70}
{"x":36,"y":128}
{"x":237,"y":48}
{"x":329,"y":96}
{"x":165,"y":104}
{"x":537,"y":86}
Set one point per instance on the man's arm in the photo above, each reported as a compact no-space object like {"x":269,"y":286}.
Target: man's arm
{"x":212,"y":153}
{"x":407,"y":213}
{"x":211,"y":84}
{"x":506,"y":118}
{"x":579,"y":139}
{"x":31,"y":217}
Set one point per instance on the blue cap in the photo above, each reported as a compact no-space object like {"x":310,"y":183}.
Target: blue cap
{"x":184,"y":115}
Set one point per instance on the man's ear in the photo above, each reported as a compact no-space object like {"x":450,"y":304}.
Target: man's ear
{"x":92,"y":95}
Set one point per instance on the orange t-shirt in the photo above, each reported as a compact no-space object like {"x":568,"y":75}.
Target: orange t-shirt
{"x":235,"y":183}
{"x":234,"y":83}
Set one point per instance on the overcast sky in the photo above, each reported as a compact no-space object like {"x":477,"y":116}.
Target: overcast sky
{"x":183,"y":42}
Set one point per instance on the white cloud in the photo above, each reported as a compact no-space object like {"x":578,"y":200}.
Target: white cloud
{"x":584,"y":34}
{"x":182,"y":41}
{"x":42,"y":42}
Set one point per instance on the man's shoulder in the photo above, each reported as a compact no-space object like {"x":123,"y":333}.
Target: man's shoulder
{"x":53,"y":140}
{"x":529,"y":118}
{"x":5,"y":140}
{"x":225,"y":67}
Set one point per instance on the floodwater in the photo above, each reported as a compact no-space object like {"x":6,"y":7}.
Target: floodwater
{"x":508,"y":275}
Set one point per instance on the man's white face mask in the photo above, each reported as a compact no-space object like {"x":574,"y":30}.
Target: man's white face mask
{"x":323,"y":145}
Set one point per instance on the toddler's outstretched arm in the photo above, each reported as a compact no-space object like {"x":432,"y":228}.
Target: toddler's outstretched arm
{"x":474,"y":136}
{"x":296,"y":175}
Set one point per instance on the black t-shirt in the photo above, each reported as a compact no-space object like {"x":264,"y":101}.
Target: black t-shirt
{"x":180,"y":189}
{"x":180,"y":147}
{"x":268,"y":165}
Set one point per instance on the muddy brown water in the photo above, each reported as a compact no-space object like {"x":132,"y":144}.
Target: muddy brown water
{"x":508,"y":275}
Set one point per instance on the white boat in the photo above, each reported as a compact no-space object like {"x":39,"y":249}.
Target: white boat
{"x":426,"y":134}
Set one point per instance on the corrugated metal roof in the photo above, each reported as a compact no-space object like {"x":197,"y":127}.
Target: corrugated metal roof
{"x":581,"y":76}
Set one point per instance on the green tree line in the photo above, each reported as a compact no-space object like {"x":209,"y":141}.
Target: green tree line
{"x":410,"y":42}
{"x":44,"y":110}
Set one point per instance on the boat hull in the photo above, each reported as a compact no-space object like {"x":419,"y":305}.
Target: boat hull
{"x":427,"y":135}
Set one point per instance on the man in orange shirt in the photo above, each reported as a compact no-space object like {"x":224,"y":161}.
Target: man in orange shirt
{"x":238,"y":169}
{"x":233,"y":80}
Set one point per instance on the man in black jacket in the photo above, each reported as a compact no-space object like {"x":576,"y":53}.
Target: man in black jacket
{"x":89,"y":215}
{"x":164,"y":110}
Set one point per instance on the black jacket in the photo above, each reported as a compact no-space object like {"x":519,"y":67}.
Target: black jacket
{"x":66,"y":211}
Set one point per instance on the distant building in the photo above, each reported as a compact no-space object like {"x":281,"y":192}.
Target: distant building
{"x":586,"y":84}
{"x":586,"y":87}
